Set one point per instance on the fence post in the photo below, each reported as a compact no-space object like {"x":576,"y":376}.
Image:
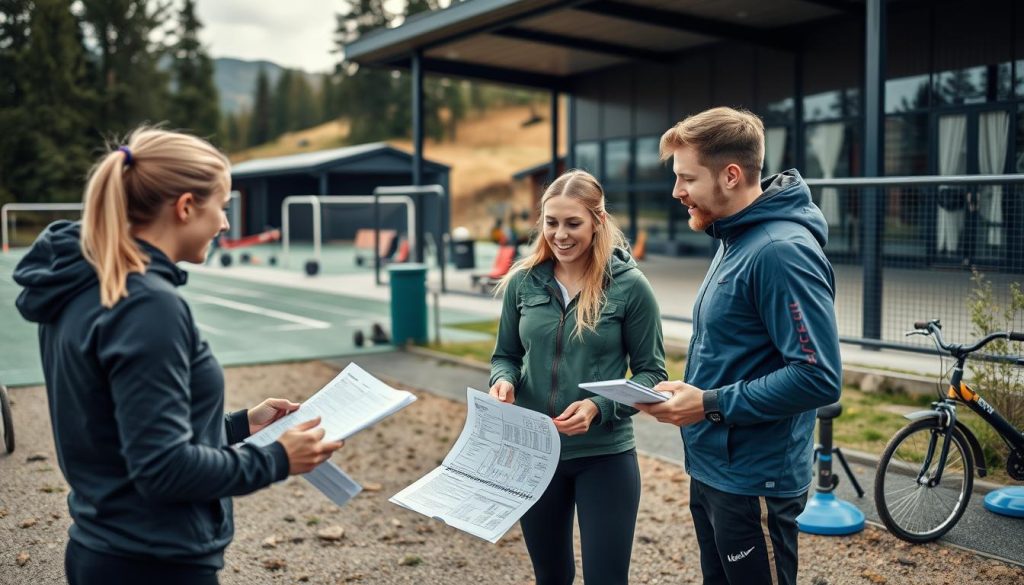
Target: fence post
{"x":873,"y":198}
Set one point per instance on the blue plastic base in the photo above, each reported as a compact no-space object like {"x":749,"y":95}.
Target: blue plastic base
{"x":1007,"y":501}
{"x":828,"y":515}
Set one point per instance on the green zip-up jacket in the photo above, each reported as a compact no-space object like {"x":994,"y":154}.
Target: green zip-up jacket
{"x":539,"y":354}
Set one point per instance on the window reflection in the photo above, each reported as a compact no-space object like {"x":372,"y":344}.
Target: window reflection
{"x":649,"y":167}
{"x":587,"y":156}
{"x":616,"y":161}
{"x":906,"y":94}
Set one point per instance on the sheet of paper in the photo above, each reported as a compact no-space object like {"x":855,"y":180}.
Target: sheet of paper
{"x":499,"y":467}
{"x":351,"y":402}
{"x":333,"y":482}
{"x":625,"y":391}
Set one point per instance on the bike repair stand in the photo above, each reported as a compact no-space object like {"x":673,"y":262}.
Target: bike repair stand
{"x":825,"y":513}
{"x":1007,"y":501}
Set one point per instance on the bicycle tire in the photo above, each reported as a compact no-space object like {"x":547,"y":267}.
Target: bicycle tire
{"x":8,"y":419}
{"x":901,"y":499}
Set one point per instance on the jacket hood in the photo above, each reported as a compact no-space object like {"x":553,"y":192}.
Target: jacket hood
{"x":54,"y":271}
{"x":784,"y":197}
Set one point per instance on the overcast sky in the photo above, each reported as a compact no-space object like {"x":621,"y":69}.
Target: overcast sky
{"x":292,"y":33}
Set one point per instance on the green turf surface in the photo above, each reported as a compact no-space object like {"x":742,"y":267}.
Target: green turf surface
{"x":245,"y":323}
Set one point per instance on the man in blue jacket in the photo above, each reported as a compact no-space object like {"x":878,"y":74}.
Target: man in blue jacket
{"x":764,"y":352}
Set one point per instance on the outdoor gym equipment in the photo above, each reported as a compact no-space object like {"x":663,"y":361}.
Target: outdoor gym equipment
{"x":227,"y":243}
{"x":9,"y":207}
{"x":926,"y":473}
{"x":7,"y":418}
{"x":825,"y":513}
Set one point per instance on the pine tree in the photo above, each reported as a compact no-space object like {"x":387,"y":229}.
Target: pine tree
{"x":131,"y":87}
{"x":280,"y":120}
{"x":194,"y":104}
{"x":45,"y":109}
{"x":260,"y":122}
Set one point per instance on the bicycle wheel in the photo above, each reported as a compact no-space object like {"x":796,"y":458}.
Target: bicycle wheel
{"x":8,"y":420}
{"x":909,"y":507}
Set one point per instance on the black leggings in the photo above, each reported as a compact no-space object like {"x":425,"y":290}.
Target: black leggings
{"x":87,"y":567}
{"x":605,"y":490}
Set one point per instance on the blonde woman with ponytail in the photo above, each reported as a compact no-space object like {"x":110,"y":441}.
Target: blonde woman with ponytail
{"x":136,"y":397}
{"x":577,"y":309}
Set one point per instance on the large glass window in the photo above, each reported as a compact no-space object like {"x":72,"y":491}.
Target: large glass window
{"x":616,"y":161}
{"x":831,"y":148}
{"x":588,"y":157}
{"x":906,"y":94}
{"x":652,"y":208}
{"x":777,"y":150}
{"x":649,"y":167}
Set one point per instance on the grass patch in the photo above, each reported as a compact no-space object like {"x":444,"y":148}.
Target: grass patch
{"x":867,"y":423}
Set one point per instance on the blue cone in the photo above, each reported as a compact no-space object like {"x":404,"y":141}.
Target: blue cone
{"x":828,"y":515}
{"x":1007,"y":501}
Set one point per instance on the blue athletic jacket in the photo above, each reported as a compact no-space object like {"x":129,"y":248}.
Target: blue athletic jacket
{"x":137,"y":408}
{"x":765,"y":346}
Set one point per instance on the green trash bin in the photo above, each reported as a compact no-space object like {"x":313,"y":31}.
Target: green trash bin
{"x":408,"y":303}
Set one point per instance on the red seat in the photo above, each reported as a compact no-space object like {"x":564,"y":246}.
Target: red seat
{"x":502,"y":264}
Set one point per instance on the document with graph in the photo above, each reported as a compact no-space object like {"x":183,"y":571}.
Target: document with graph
{"x":351,"y":402}
{"x":501,"y":464}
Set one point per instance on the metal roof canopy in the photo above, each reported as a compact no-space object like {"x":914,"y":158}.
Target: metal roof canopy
{"x":376,"y":157}
{"x":546,"y":43}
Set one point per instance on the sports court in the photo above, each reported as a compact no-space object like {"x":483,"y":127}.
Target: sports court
{"x":244,"y":321}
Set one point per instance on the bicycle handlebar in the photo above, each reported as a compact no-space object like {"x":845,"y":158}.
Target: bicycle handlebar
{"x":933,"y":327}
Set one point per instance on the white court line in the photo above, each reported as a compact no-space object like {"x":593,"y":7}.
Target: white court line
{"x":247,"y":308}
{"x":210,"y":329}
{"x":227,"y":290}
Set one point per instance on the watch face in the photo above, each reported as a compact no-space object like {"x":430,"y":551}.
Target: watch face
{"x":715,"y":417}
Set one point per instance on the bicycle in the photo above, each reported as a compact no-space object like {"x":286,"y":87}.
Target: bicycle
{"x":926,"y":473}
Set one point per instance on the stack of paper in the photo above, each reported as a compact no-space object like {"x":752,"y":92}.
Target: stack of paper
{"x":351,"y":402}
{"x":500,"y":466}
{"x":625,"y":391}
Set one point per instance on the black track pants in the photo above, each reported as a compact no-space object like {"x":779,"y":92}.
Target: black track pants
{"x":86,"y":567}
{"x":604,"y":490}
{"x":745,"y":540}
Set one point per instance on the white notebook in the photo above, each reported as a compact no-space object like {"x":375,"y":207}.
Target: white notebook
{"x":625,"y":391}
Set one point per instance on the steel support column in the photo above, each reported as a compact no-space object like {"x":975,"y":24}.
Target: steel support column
{"x":873,"y":199}
{"x":417,"y":147}
{"x":553,"y":165}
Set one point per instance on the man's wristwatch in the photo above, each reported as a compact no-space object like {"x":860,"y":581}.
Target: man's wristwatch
{"x":711,"y":412}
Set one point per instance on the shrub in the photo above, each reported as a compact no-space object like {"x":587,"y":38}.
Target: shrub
{"x":1000,"y":382}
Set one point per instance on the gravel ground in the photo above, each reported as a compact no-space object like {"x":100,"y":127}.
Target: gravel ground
{"x":290,"y":533}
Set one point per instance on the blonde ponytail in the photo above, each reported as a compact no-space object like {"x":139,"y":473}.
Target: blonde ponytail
{"x":107,"y":242}
{"x":130,"y":186}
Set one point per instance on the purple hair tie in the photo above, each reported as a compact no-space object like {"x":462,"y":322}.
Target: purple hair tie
{"x":127,"y":155}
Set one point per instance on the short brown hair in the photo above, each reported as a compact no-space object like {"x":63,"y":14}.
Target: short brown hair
{"x":721,"y":136}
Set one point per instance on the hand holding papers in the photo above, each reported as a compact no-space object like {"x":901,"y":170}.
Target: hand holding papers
{"x":351,"y":402}
{"x":625,"y":391}
{"x":501,"y":464}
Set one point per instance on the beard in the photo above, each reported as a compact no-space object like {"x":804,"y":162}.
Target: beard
{"x":700,"y":219}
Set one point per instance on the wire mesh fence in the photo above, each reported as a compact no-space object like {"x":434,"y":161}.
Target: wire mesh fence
{"x":936,"y":233}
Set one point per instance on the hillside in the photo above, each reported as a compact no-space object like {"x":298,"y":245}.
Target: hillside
{"x":236,"y":81}
{"x":488,"y":150}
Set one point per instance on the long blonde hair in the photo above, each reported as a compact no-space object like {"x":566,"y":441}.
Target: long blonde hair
{"x":128,"y":189}
{"x":579,"y":186}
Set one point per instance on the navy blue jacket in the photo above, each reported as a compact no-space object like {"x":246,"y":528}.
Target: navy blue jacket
{"x":137,"y":408}
{"x":765,"y":346}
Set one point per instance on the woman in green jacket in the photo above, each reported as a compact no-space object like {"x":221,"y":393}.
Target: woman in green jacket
{"x":577,"y":309}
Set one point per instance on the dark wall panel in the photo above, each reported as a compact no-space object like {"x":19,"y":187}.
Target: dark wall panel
{"x":617,"y":111}
{"x":653,"y":99}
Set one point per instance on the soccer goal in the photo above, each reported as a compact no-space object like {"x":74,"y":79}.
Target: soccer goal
{"x":22,"y":222}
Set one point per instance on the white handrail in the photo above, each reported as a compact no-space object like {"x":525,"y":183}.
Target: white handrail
{"x":30,"y":207}
{"x":316,"y":200}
